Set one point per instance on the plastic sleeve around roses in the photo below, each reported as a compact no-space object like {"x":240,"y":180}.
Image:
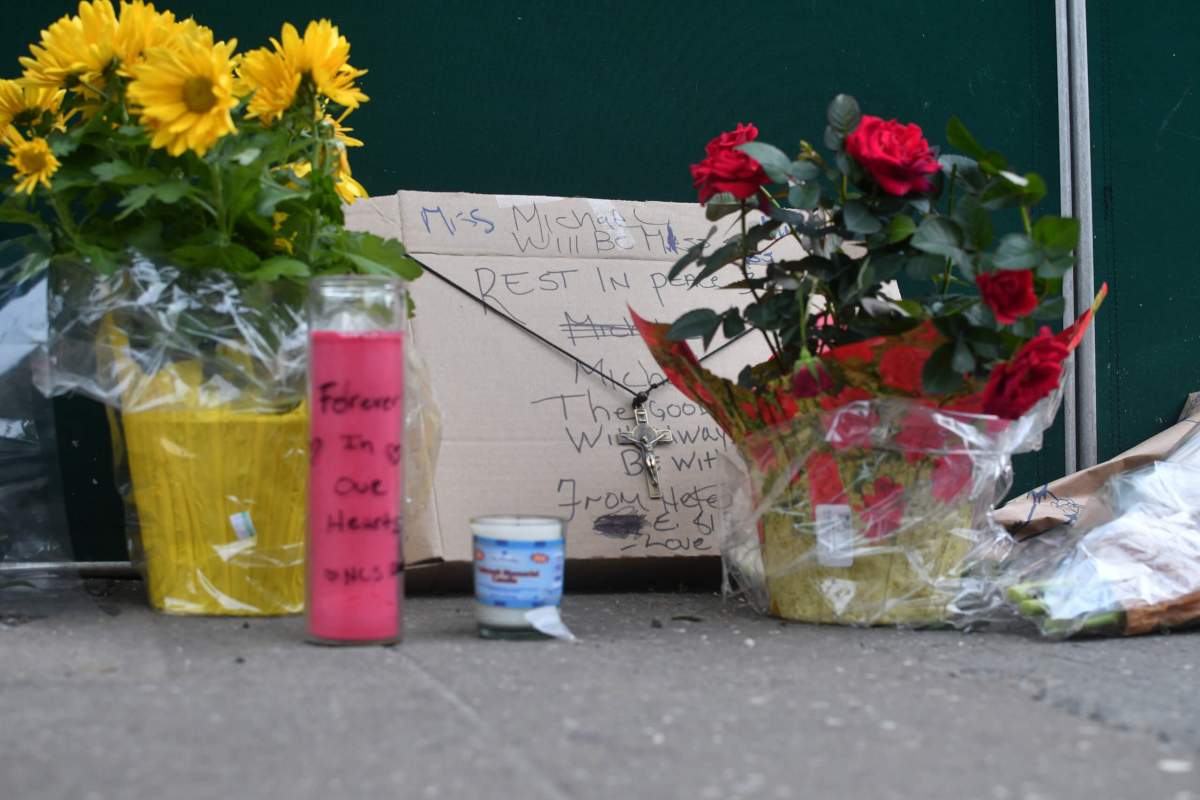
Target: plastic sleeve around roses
{"x":205,"y":381}
{"x":1130,"y":566}
{"x":878,"y":512}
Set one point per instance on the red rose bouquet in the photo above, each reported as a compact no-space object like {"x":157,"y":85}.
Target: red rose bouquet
{"x":880,"y":430}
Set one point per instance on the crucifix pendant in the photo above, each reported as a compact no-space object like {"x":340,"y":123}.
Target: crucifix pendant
{"x":645,"y":438}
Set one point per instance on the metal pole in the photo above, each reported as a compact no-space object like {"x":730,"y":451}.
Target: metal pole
{"x":1084,"y":282}
{"x":1062,"y":26}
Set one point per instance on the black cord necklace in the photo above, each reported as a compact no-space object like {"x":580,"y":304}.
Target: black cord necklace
{"x":643,"y":436}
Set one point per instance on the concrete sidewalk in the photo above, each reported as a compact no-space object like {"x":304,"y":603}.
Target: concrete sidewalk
{"x":666,"y":696}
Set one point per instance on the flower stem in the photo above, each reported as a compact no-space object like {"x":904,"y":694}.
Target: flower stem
{"x":1025,"y":219}
{"x":775,"y":350}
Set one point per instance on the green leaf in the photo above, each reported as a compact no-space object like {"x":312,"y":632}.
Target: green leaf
{"x":272,"y":194}
{"x":900,"y":228}
{"x":843,"y":113}
{"x":859,"y":218}
{"x":230,"y":257}
{"x":166,"y":192}
{"x":961,"y":139}
{"x":690,"y":256}
{"x":774,"y":161}
{"x":804,"y":170}
{"x":1052,"y":308}
{"x":375,"y":255}
{"x":963,"y":360}
{"x":124,"y":173}
{"x":834,"y":139}
{"x":976,"y":222}
{"x":804,"y":196}
{"x":1055,"y":268}
{"x":697,"y":323}
{"x":15,"y":214}
{"x":733,"y":324}
{"x":938,"y":375}
{"x":939,"y":236}
{"x":721,"y":204}
{"x":1017,"y":251}
{"x":1057,"y":235}
{"x":924,"y":267}
{"x":280,"y":267}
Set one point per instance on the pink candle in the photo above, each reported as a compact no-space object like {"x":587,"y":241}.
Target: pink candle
{"x":355,"y":552}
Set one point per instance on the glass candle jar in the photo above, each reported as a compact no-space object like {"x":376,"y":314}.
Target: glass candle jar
{"x":518,"y":573}
{"x":355,"y":569}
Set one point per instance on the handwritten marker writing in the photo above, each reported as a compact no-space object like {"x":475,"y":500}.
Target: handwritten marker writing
{"x":355,"y":575}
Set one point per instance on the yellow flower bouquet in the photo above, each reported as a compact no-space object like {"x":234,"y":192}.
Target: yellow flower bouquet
{"x":179,"y":194}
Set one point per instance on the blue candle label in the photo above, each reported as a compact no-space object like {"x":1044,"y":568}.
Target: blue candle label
{"x":512,"y":574}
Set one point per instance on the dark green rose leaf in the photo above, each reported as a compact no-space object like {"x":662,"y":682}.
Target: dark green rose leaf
{"x":843,"y":113}
{"x":721,"y":204}
{"x":1052,"y":308}
{"x":939,"y":376}
{"x":859,"y":218}
{"x":900,"y":228}
{"x":1056,"y":235}
{"x":695,"y":324}
{"x":733,"y":324}
{"x":939,"y":236}
{"x":1017,"y":251}
{"x":961,"y":139}
{"x":774,"y":161}
{"x":1055,"y":268}
{"x":804,"y":170}
{"x":804,"y":196}
{"x":963,"y":360}
{"x":976,"y":222}
{"x":924,"y":267}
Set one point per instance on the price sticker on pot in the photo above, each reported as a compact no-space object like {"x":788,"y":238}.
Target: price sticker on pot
{"x":835,"y":535}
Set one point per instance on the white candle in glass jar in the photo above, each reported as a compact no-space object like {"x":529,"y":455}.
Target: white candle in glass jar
{"x":518,"y":570}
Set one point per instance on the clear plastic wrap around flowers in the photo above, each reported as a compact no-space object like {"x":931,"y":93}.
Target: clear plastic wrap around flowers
{"x":875,"y":513}
{"x":1130,"y":565}
{"x":33,"y":526}
{"x":205,"y":378}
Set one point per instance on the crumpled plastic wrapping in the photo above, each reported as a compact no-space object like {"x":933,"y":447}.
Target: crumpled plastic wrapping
{"x":33,"y":526}
{"x":205,"y":379}
{"x":1130,"y":564}
{"x":876,"y":513}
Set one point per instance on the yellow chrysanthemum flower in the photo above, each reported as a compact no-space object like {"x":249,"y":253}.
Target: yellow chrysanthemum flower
{"x":32,"y":160}
{"x":141,"y":27}
{"x":340,"y":132}
{"x":24,"y":104}
{"x":322,"y":54}
{"x":273,"y":82}
{"x":184,"y":95}
{"x":74,"y":49}
{"x":347,"y":188}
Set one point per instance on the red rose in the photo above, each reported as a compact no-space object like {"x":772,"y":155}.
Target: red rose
{"x":728,"y":170}
{"x":744,"y":132}
{"x":1008,"y":293}
{"x":897,"y":156}
{"x":920,"y":433}
{"x":884,"y":510}
{"x":951,"y":475}
{"x":1034,"y":372}
{"x":901,"y":366}
{"x":810,"y":380}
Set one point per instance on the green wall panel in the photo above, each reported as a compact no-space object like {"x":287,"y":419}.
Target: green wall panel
{"x":1144,"y":67}
{"x":615,"y":99}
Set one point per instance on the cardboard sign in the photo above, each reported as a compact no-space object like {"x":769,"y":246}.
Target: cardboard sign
{"x":526,"y":430}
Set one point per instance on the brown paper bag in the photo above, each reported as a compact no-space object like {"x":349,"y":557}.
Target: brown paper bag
{"x":1064,"y":501}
